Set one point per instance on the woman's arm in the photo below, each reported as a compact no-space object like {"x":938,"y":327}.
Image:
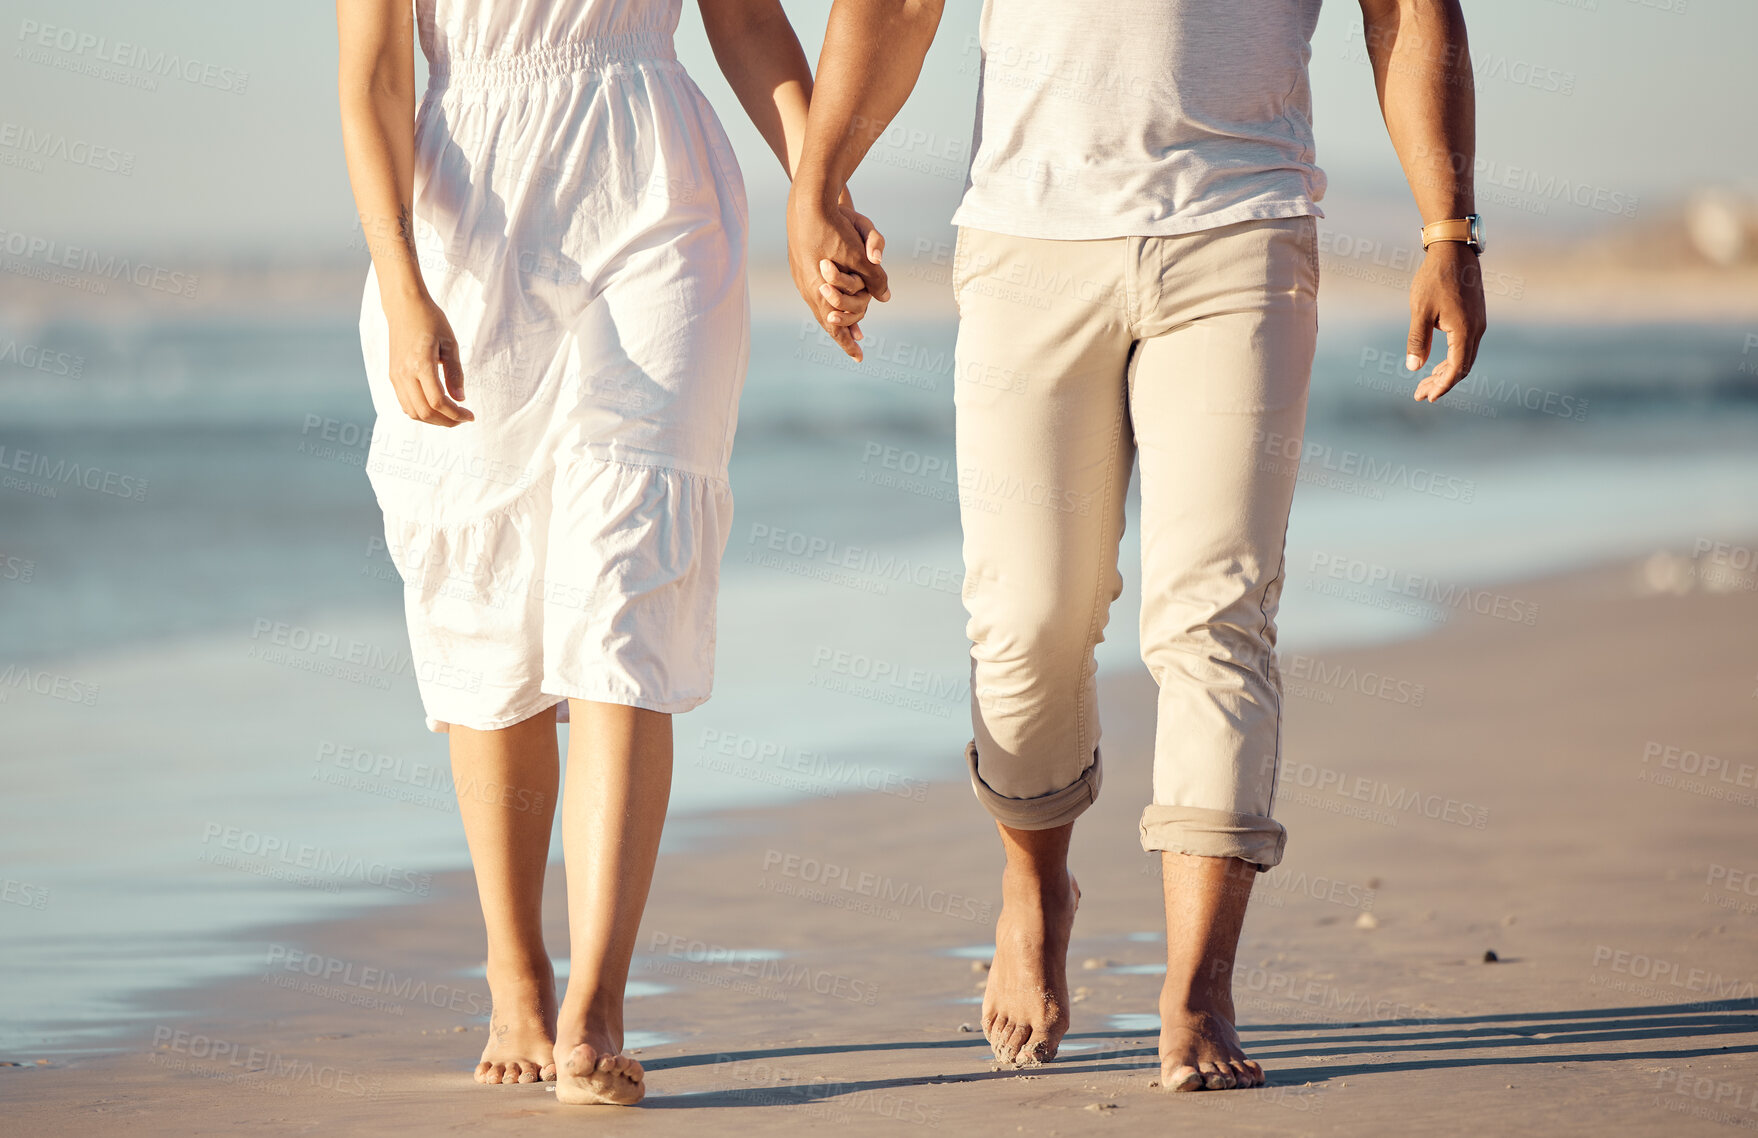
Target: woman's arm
{"x":375,"y":85}
{"x":762,"y":61}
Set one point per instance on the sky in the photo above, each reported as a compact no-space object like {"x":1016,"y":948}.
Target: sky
{"x":1638,"y":101}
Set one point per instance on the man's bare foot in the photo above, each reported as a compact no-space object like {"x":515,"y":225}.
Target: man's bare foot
{"x":1199,"y":1049}
{"x":593,"y":1072}
{"x":1025,"y":1004}
{"x":521,"y":1029}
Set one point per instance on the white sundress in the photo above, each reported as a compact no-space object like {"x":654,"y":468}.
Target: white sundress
{"x":580,"y":219}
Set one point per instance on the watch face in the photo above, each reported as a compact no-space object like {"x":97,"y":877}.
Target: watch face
{"x":1477,"y":233}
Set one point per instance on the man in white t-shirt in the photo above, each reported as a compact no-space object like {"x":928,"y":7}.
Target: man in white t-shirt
{"x":1136,"y":275}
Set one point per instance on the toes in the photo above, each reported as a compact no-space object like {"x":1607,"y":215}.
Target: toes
{"x":1247,"y":1074}
{"x":1183,"y":1079}
{"x":1040,"y":1048}
{"x":1218,"y":1078}
{"x":999,"y":1031}
{"x":547,"y":1073}
{"x":530,"y":1071}
{"x":482,"y":1069}
{"x":493,"y":1074}
{"x":1016,"y":1042}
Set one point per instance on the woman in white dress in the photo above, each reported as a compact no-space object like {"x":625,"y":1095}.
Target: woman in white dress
{"x":555,"y":332}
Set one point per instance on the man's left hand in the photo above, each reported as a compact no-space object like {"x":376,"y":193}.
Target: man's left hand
{"x":1447,"y":293}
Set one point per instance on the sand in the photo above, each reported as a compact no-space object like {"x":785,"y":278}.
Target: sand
{"x":1575,"y":796}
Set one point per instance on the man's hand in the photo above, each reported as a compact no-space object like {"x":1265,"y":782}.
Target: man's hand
{"x":833,"y":254}
{"x":1447,"y":293}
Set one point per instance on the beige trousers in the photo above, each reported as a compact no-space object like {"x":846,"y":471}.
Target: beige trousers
{"x":1075,"y":358}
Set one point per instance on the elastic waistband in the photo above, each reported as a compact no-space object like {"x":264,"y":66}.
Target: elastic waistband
{"x":539,"y":63}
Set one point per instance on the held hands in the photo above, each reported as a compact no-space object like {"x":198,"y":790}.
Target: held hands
{"x":1447,"y":293}
{"x":834,"y":253}
{"x":422,"y":347}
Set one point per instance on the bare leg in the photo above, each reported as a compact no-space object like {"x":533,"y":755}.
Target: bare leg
{"x":506,"y":782}
{"x":1205,"y":909}
{"x":1025,"y":1005}
{"x":619,"y":782}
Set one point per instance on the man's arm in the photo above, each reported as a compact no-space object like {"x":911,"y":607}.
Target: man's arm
{"x":1422,"y":70}
{"x":873,"y":52}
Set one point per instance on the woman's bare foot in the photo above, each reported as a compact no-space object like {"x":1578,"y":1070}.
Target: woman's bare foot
{"x":1025,"y":1004}
{"x":593,"y":1072}
{"x":1199,"y":1049}
{"x":521,"y":1029}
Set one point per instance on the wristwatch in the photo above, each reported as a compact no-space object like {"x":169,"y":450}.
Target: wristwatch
{"x":1468,"y":230}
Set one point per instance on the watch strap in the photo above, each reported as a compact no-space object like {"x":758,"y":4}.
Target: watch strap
{"x":1452,"y":229}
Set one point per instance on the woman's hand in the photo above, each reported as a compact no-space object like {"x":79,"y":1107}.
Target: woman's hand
{"x":846,"y":295}
{"x":833,"y":253}
{"x":422,"y":347}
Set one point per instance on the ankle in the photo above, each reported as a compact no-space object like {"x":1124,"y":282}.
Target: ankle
{"x":596,"y":1010}
{"x":1197,"y":998}
{"x":1045,"y":877}
{"x":522,"y":966}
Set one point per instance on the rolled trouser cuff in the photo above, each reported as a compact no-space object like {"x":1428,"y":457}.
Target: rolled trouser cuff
{"x":1044,"y":812}
{"x":1213,"y":833}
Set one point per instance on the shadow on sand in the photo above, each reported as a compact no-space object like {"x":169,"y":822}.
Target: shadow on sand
{"x":1673,"y":1031}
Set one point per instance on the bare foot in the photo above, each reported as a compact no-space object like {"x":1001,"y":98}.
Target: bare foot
{"x":593,"y":1073}
{"x":521,"y":1029}
{"x":1025,"y":1004}
{"x":1199,"y":1049}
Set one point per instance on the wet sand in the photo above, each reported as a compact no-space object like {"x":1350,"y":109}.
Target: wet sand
{"x":1576,"y":795}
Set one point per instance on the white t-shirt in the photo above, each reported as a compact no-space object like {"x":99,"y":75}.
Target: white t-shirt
{"x":1116,"y":118}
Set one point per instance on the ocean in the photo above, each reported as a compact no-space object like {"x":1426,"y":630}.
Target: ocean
{"x":208,"y":718}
